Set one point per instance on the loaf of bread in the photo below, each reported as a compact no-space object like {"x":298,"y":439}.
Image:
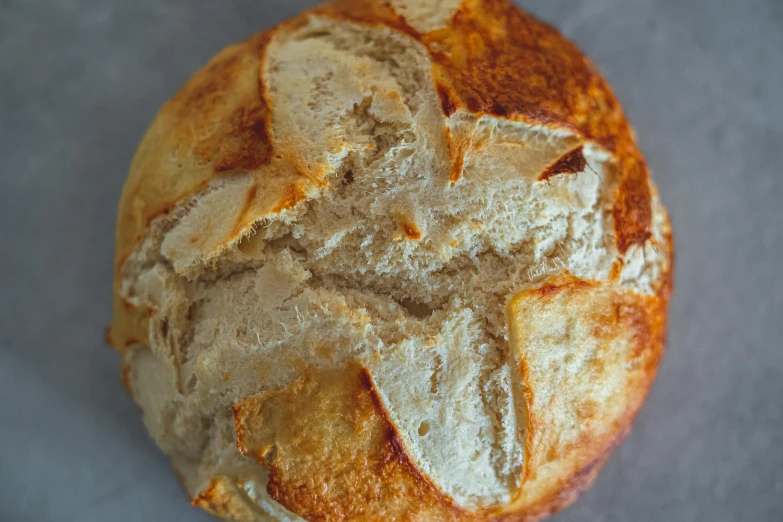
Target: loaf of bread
{"x":391,"y":260}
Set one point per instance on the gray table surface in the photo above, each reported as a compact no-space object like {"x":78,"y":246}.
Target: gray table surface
{"x":702,"y":81}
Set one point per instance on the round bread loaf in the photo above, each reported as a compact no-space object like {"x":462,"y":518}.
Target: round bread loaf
{"x":391,"y":260}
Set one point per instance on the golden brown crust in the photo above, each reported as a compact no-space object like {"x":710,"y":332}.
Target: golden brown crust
{"x":572,"y":162}
{"x":333,"y":454}
{"x":223,"y":498}
{"x":633,"y":201}
{"x":557,"y":468}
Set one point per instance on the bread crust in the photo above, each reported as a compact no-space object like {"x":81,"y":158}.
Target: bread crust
{"x":490,"y":58}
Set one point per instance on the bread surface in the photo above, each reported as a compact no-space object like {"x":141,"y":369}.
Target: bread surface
{"x":391,"y":261}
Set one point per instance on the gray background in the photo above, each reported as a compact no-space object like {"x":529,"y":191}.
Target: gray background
{"x":702,"y":82}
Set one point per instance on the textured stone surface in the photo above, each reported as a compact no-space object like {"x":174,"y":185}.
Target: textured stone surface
{"x":79,"y":82}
